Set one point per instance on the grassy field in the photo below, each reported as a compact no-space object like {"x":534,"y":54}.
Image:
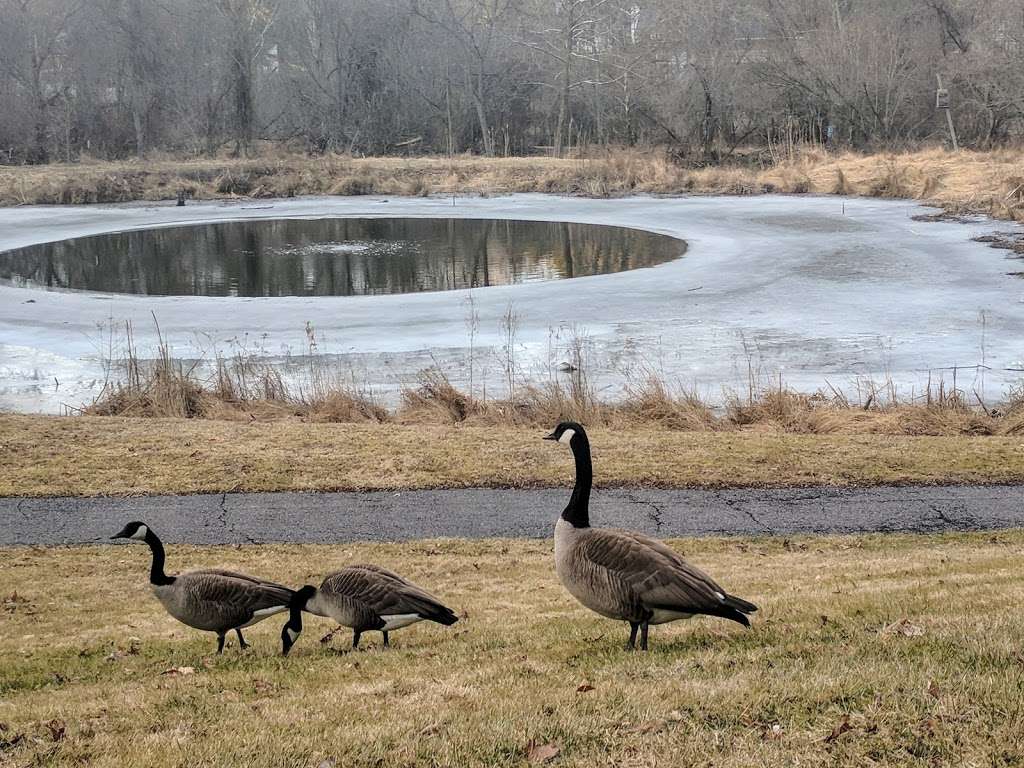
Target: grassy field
{"x":882,"y":650}
{"x":990,"y":182}
{"x":73,"y":456}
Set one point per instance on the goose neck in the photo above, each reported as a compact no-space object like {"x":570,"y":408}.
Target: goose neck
{"x":157,"y":577}
{"x":577,"y":513}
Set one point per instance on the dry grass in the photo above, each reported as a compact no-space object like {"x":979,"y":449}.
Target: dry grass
{"x":991,"y":182}
{"x":882,"y":650}
{"x":245,"y":387}
{"x":72,"y":456}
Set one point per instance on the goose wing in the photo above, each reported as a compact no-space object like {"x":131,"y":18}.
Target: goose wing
{"x":655,"y":574}
{"x":386,"y":593}
{"x":229,"y":597}
{"x":245,"y":577}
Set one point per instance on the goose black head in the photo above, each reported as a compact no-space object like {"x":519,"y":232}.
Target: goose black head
{"x":135,"y":530}
{"x":293,"y":627}
{"x":566,"y":432}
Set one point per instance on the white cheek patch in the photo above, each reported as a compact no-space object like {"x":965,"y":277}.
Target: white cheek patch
{"x":567,"y":436}
{"x":140,"y":535}
{"x":292,"y":634}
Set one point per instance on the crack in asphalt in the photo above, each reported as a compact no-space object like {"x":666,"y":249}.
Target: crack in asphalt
{"x":735,"y":505}
{"x":942,"y":515}
{"x":228,"y":527}
{"x":966,"y":522}
{"x":655,"y":516}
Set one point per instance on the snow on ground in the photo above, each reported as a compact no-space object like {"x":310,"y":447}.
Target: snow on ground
{"x":819,"y":289}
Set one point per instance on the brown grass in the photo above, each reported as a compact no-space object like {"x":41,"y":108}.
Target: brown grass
{"x":245,"y":387}
{"x":991,"y":182}
{"x":71,"y":456}
{"x":881,"y":650}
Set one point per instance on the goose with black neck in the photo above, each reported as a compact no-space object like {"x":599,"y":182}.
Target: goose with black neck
{"x":625,"y":575}
{"x":364,"y":598}
{"x":212,"y":600}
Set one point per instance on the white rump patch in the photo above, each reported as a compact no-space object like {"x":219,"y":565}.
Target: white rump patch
{"x":567,"y":436}
{"x":399,"y":620}
{"x":263,"y":613}
{"x":269,"y":611}
{"x":140,"y":535}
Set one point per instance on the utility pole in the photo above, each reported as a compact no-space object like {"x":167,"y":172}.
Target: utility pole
{"x":942,"y":102}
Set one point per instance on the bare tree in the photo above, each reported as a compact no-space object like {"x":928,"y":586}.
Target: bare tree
{"x":708,"y":77}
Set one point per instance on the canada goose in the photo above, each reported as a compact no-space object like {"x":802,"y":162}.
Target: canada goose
{"x":364,"y":597}
{"x":625,"y":575}
{"x":212,"y":600}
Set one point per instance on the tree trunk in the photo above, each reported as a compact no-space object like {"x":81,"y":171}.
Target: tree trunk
{"x":139,"y":122}
{"x":481,"y":115}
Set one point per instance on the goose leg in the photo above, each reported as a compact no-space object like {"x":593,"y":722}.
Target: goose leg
{"x":385,"y":638}
{"x":241,"y":640}
{"x":355,"y":639}
{"x":643,"y":636}
{"x":633,"y":627}
{"x":220,"y":642}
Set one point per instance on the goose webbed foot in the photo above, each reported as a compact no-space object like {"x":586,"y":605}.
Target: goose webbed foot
{"x":241,"y":640}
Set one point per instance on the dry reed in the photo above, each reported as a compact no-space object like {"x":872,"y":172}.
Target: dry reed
{"x":988,"y":182}
{"x":244,"y":387}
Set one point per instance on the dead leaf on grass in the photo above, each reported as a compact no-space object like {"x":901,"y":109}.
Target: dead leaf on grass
{"x":904,"y":628}
{"x":57,"y":728}
{"x":179,"y":671}
{"x":542,"y":753}
{"x":843,"y":726}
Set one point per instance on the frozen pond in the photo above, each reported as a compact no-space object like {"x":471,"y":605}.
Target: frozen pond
{"x":817,"y":289}
{"x":333,"y":256}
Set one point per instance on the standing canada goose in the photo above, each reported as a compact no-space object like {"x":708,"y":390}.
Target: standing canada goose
{"x":212,"y":600}
{"x":363,"y":598}
{"x":625,"y":575}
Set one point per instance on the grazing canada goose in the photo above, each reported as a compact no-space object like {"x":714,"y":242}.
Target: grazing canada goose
{"x":212,"y":600}
{"x":625,"y":575}
{"x":363,"y":598}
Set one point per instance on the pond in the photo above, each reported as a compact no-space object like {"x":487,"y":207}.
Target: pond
{"x":334,"y":256}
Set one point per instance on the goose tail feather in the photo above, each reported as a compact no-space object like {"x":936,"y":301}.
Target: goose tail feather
{"x":442,"y":615}
{"x":739,"y":604}
{"x":725,"y":612}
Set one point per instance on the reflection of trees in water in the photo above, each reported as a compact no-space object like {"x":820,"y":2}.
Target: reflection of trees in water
{"x":308,"y":257}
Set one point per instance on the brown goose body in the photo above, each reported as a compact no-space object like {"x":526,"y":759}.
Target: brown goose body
{"x":212,"y":600}
{"x":219,"y":601}
{"x":365,"y":598}
{"x":624,"y":575}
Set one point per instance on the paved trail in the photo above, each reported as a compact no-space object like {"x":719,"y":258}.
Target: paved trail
{"x":332,"y":517}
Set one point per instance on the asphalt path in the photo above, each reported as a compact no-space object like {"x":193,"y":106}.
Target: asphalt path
{"x":483,"y":513}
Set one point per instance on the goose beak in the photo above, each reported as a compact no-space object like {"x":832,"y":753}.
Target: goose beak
{"x":550,"y":437}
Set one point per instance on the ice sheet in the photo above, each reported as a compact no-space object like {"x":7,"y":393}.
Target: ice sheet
{"x":819,"y":289}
